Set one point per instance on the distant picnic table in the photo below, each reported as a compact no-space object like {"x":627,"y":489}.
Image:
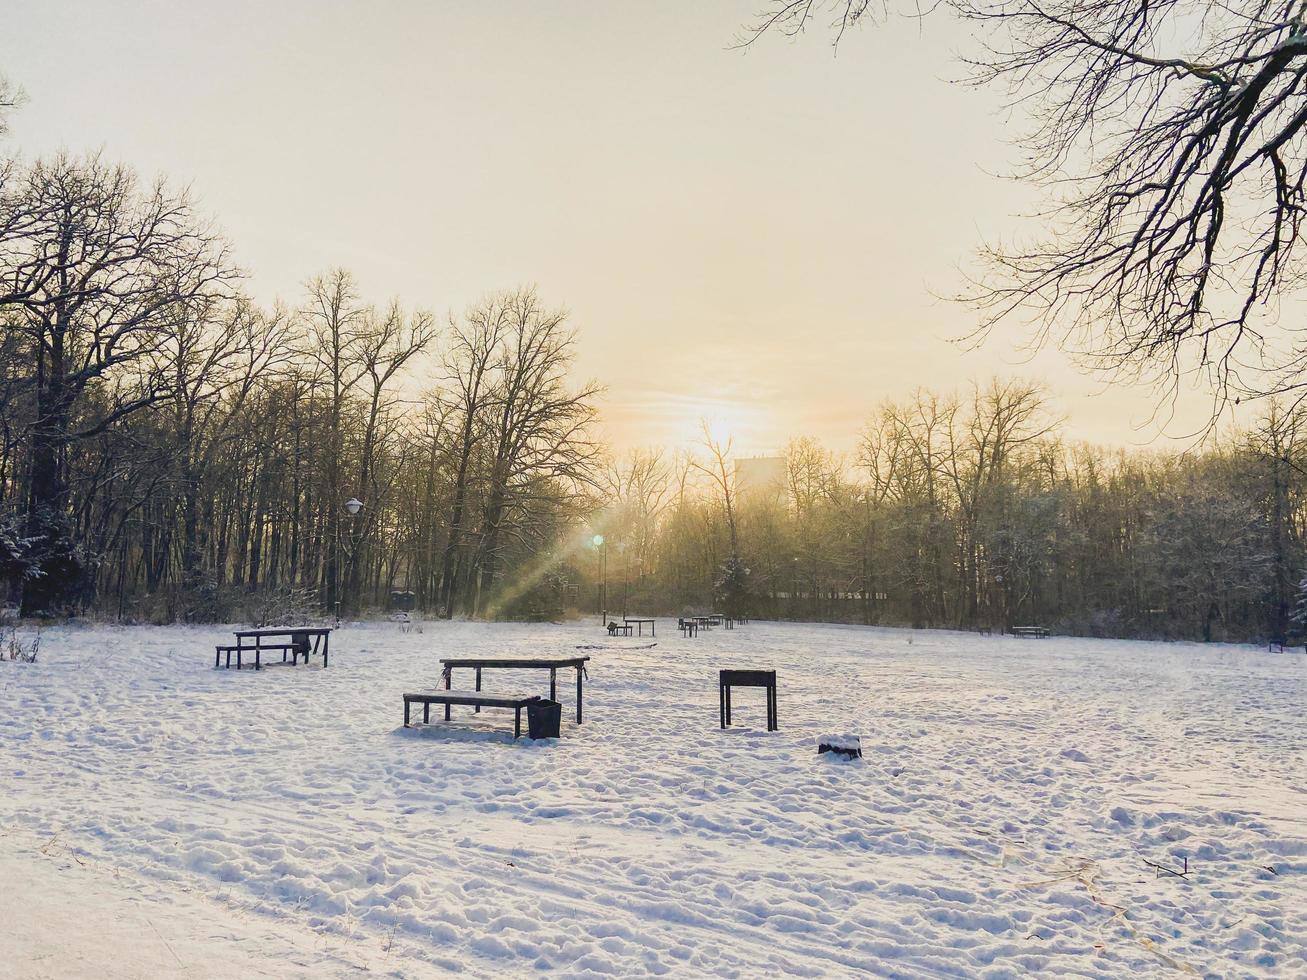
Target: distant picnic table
{"x":709,"y":620}
{"x":552,"y":664}
{"x":1039,"y":631}
{"x":639,"y":625}
{"x":295,"y":642}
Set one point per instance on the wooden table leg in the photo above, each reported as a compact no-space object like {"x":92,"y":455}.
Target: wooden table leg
{"x":426,"y":712}
{"x":406,"y":707}
{"x":579,"y":672}
{"x":553,"y":683}
{"x":517,"y":723}
{"x":478,"y":707}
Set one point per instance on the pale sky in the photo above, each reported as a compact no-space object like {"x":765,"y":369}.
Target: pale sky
{"x":757,"y":237}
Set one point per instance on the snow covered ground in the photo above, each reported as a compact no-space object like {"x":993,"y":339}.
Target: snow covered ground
{"x":221,"y":823}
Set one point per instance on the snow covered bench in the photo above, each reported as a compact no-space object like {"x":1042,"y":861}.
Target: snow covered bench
{"x":477,"y":699}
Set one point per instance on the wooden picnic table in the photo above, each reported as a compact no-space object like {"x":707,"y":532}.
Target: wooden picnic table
{"x":296,"y":641}
{"x":766,"y":679}
{"x":639,"y":625}
{"x":552,"y":664}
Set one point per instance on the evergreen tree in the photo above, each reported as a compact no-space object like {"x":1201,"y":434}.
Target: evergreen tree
{"x":732,"y":588}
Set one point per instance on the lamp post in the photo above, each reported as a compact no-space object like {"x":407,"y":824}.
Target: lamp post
{"x":601,"y":584}
{"x":352,"y":507}
{"x":626,"y":576}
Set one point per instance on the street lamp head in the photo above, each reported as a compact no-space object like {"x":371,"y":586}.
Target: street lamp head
{"x":597,"y":540}
{"x":353,"y":505}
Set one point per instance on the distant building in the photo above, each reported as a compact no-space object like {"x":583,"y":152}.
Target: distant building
{"x":760,"y":477}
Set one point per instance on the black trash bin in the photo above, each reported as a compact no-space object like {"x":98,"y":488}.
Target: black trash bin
{"x":543,"y":718}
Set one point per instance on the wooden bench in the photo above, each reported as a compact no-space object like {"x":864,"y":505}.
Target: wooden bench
{"x":688,"y":626}
{"x":476,"y":699}
{"x":620,"y":629}
{"x":243,"y":659}
{"x":1040,"y":631}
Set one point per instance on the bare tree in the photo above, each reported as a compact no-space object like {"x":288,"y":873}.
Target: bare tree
{"x":719,"y":469}
{"x":540,"y":450}
{"x":389,"y":340}
{"x":468,"y":363}
{"x":1171,"y":136}
{"x":334,"y":319}
{"x":97,"y":274}
{"x":214,"y":358}
{"x":639,"y":486}
{"x":11,"y":96}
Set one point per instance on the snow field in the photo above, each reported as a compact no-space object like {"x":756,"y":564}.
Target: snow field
{"x":998,"y":824}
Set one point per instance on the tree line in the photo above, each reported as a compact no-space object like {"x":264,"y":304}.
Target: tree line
{"x":972,"y":512}
{"x":169,"y":449}
{"x":172,"y":450}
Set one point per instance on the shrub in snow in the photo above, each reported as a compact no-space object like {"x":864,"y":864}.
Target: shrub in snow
{"x":283,"y":607}
{"x":845,"y":746}
{"x":13,"y":646}
{"x":542,"y":602}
